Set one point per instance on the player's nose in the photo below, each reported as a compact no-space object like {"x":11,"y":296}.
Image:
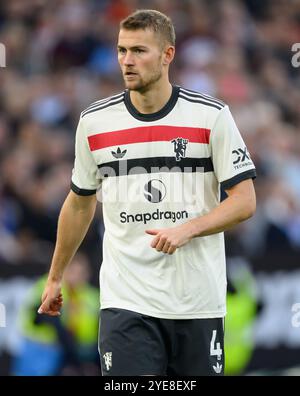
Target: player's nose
{"x":128,"y":59}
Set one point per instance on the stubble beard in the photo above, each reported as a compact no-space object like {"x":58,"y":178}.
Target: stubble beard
{"x":142,"y":85}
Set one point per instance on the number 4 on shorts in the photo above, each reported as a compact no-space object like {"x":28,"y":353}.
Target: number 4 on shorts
{"x":215,"y":350}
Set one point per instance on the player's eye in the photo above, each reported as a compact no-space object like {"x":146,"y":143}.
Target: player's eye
{"x":122,"y":51}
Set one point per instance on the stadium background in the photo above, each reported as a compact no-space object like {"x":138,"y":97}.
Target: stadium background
{"x":60,"y":57}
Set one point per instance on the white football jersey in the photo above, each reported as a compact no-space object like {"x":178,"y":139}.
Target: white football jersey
{"x":156,"y":171}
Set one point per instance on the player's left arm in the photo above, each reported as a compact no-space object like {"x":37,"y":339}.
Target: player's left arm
{"x":239,"y":205}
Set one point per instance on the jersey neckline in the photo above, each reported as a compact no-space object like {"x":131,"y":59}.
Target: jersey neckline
{"x":153,"y":116}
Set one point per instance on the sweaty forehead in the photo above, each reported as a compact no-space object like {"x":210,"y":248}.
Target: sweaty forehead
{"x":130,"y":38}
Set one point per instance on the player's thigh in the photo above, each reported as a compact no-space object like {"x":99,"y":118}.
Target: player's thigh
{"x":200,"y":348}
{"x":130,"y":344}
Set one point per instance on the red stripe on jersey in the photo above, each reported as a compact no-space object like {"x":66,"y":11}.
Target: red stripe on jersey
{"x":154,"y":133}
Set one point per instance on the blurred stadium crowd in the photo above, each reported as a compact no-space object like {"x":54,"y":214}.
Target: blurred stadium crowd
{"x":61,"y":56}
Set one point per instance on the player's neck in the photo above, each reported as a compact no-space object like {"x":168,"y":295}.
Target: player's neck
{"x":153,"y":100}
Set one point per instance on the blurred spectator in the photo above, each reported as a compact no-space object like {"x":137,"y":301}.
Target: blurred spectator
{"x":240,"y":318}
{"x":67,"y":344}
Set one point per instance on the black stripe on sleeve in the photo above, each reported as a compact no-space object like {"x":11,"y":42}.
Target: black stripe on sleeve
{"x":102,"y":102}
{"x":250,"y":174}
{"x":200,"y":101}
{"x":81,"y":191}
{"x":103,"y":106}
{"x":195,"y":94}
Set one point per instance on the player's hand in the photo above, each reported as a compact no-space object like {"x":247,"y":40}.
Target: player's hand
{"x":167,"y":240}
{"x":52,"y":299}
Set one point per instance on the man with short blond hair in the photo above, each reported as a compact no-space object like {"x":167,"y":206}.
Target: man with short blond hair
{"x":160,"y":154}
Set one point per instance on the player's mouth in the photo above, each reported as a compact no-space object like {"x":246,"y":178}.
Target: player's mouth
{"x":130,"y":75}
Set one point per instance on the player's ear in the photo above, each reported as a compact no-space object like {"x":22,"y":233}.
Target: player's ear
{"x":168,"y":54}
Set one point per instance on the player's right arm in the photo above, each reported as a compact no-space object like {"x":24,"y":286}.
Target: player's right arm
{"x":74,"y":220}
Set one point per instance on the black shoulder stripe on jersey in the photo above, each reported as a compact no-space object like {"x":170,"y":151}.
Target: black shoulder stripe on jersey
{"x":81,"y":191}
{"x":249,"y":174}
{"x":203,"y":96}
{"x":139,"y":166}
{"x":102,"y":101}
{"x":200,"y":101}
{"x":104,"y":106}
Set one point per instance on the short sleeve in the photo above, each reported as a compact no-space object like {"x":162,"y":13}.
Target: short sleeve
{"x":231,"y":159}
{"x":84,"y":175}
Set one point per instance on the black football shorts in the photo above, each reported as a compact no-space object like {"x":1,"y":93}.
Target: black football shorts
{"x":132,"y":344}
